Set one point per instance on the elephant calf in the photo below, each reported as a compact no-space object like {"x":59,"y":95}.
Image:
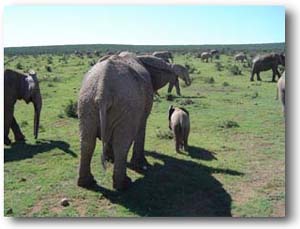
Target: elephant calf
{"x":19,"y":86}
{"x":281,"y":91}
{"x":179,"y":123}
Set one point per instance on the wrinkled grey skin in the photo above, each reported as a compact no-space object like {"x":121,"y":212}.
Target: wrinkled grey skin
{"x":114,"y":103}
{"x":206,"y":56}
{"x":265,"y":63}
{"x":240,"y":57}
{"x":165,"y":55}
{"x":183,"y":74}
{"x":179,"y":123}
{"x":281,"y":91}
{"x":20,"y":86}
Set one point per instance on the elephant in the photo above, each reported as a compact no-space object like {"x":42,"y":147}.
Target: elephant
{"x":182,"y":73}
{"x":214,"y":53}
{"x":179,"y":123}
{"x":165,"y":55}
{"x":281,"y":91}
{"x":240,"y":57}
{"x":114,"y":103}
{"x":265,"y":63}
{"x":206,"y":56}
{"x":19,"y":86}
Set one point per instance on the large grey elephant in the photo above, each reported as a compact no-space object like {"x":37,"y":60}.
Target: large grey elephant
{"x":240,"y":57}
{"x":19,"y":86}
{"x":179,"y":123}
{"x":281,"y":91}
{"x":181,"y":73}
{"x":265,"y":63}
{"x":114,"y":103}
{"x":165,"y":55}
{"x":205,"y":56}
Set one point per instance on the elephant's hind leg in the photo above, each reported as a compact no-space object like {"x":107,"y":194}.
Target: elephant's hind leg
{"x":87,"y":147}
{"x":122,"y":139}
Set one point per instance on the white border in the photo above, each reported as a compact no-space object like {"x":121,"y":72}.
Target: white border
{"x":291,"y":221}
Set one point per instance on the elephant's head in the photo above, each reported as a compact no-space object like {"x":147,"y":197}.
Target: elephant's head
{"x":30,"y":92}
{"x":161,"y":72}
{"x":182,"y":73}
{"x":282,"y":59}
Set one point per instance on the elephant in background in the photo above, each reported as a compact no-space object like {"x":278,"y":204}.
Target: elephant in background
{"x":179,"y":123}
{"x":240,"y":57}
{"x":206,"y":56}
{"x":183,"y":74}
{"x":281,"y":91}
{"x":114,"y":103}
{"x":165,"y":55}
{"x":19,"y":86}
{"x":214,"y":53}
{"x":265,"y":63}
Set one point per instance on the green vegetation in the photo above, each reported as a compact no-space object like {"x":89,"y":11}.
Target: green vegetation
{"x":235,"y":164}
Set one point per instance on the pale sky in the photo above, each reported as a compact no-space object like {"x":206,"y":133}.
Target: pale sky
{"x":142,"y":25}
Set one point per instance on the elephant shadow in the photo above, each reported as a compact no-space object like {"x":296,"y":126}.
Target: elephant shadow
{"x":20,"y":151}
{"x":200,"y":153}
{"x":175,"y":187}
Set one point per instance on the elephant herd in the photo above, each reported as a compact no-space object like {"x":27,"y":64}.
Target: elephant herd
{"x":117,"y":114}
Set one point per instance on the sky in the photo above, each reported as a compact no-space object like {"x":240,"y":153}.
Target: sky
{"x":142,"y":25}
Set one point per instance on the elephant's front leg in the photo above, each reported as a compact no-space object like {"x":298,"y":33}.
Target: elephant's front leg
{"x":171,"y":85}
{"x":177,"y":87}
{"x":138,"y":159}
{"x":17,"y":131}
{"x":8,"y":117}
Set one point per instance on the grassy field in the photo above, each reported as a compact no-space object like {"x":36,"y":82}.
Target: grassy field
{"x":235,"y":165}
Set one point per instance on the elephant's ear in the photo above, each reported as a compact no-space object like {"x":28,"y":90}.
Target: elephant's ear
{"x":28,"y":84}
{"x":161,"y":72}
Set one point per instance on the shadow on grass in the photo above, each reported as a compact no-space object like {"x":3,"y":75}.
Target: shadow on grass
{"x":20,"y":151}
{"x":200,"y":153}
{"x":174,"y":187}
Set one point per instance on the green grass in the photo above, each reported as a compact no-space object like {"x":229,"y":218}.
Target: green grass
{"x":234,"y":170}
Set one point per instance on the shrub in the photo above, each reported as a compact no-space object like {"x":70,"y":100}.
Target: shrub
{"x":19,"y":66}
{"x":228,"y":124}
{"x":50,"y":60}
{"x":164,"y":134}
{"x":235,"y":70}
{"x":48,"y":68}
{"x":186,"y":102}
{"x":225,"y":84}
{"x":71,"y":109}
{"x":219,"y":66}
{"x":209,"y":80}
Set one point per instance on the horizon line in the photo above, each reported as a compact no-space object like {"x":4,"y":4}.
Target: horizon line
{"x":144,"y":44}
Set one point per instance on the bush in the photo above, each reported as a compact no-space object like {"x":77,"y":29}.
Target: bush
{"x":235,"y":70}
{"x":228,"y":124}
{"x":164,"y":134}
{"x":19,"y":66}
{"x":225,"y":84}
{"x":186,"y":102}
{"x":219,"y":66}
{"x":48,"y":68}
{"x":71,"y":109}
{"x":209,"y":80}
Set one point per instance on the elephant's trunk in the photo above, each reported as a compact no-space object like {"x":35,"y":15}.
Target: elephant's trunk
{"x":37,"y":102}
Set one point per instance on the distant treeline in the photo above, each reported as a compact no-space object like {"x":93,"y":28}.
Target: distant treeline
{"x":105,"y":48}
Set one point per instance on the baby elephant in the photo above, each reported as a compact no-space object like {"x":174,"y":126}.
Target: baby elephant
{"x":179,"y":123}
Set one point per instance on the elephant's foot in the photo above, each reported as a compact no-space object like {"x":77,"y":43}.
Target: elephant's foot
{"x":139,"y":163}
{"x":7,"y":141}
{"x":19,"y":137}
{"x":122,"y":185}
{"x":86,"y":182}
